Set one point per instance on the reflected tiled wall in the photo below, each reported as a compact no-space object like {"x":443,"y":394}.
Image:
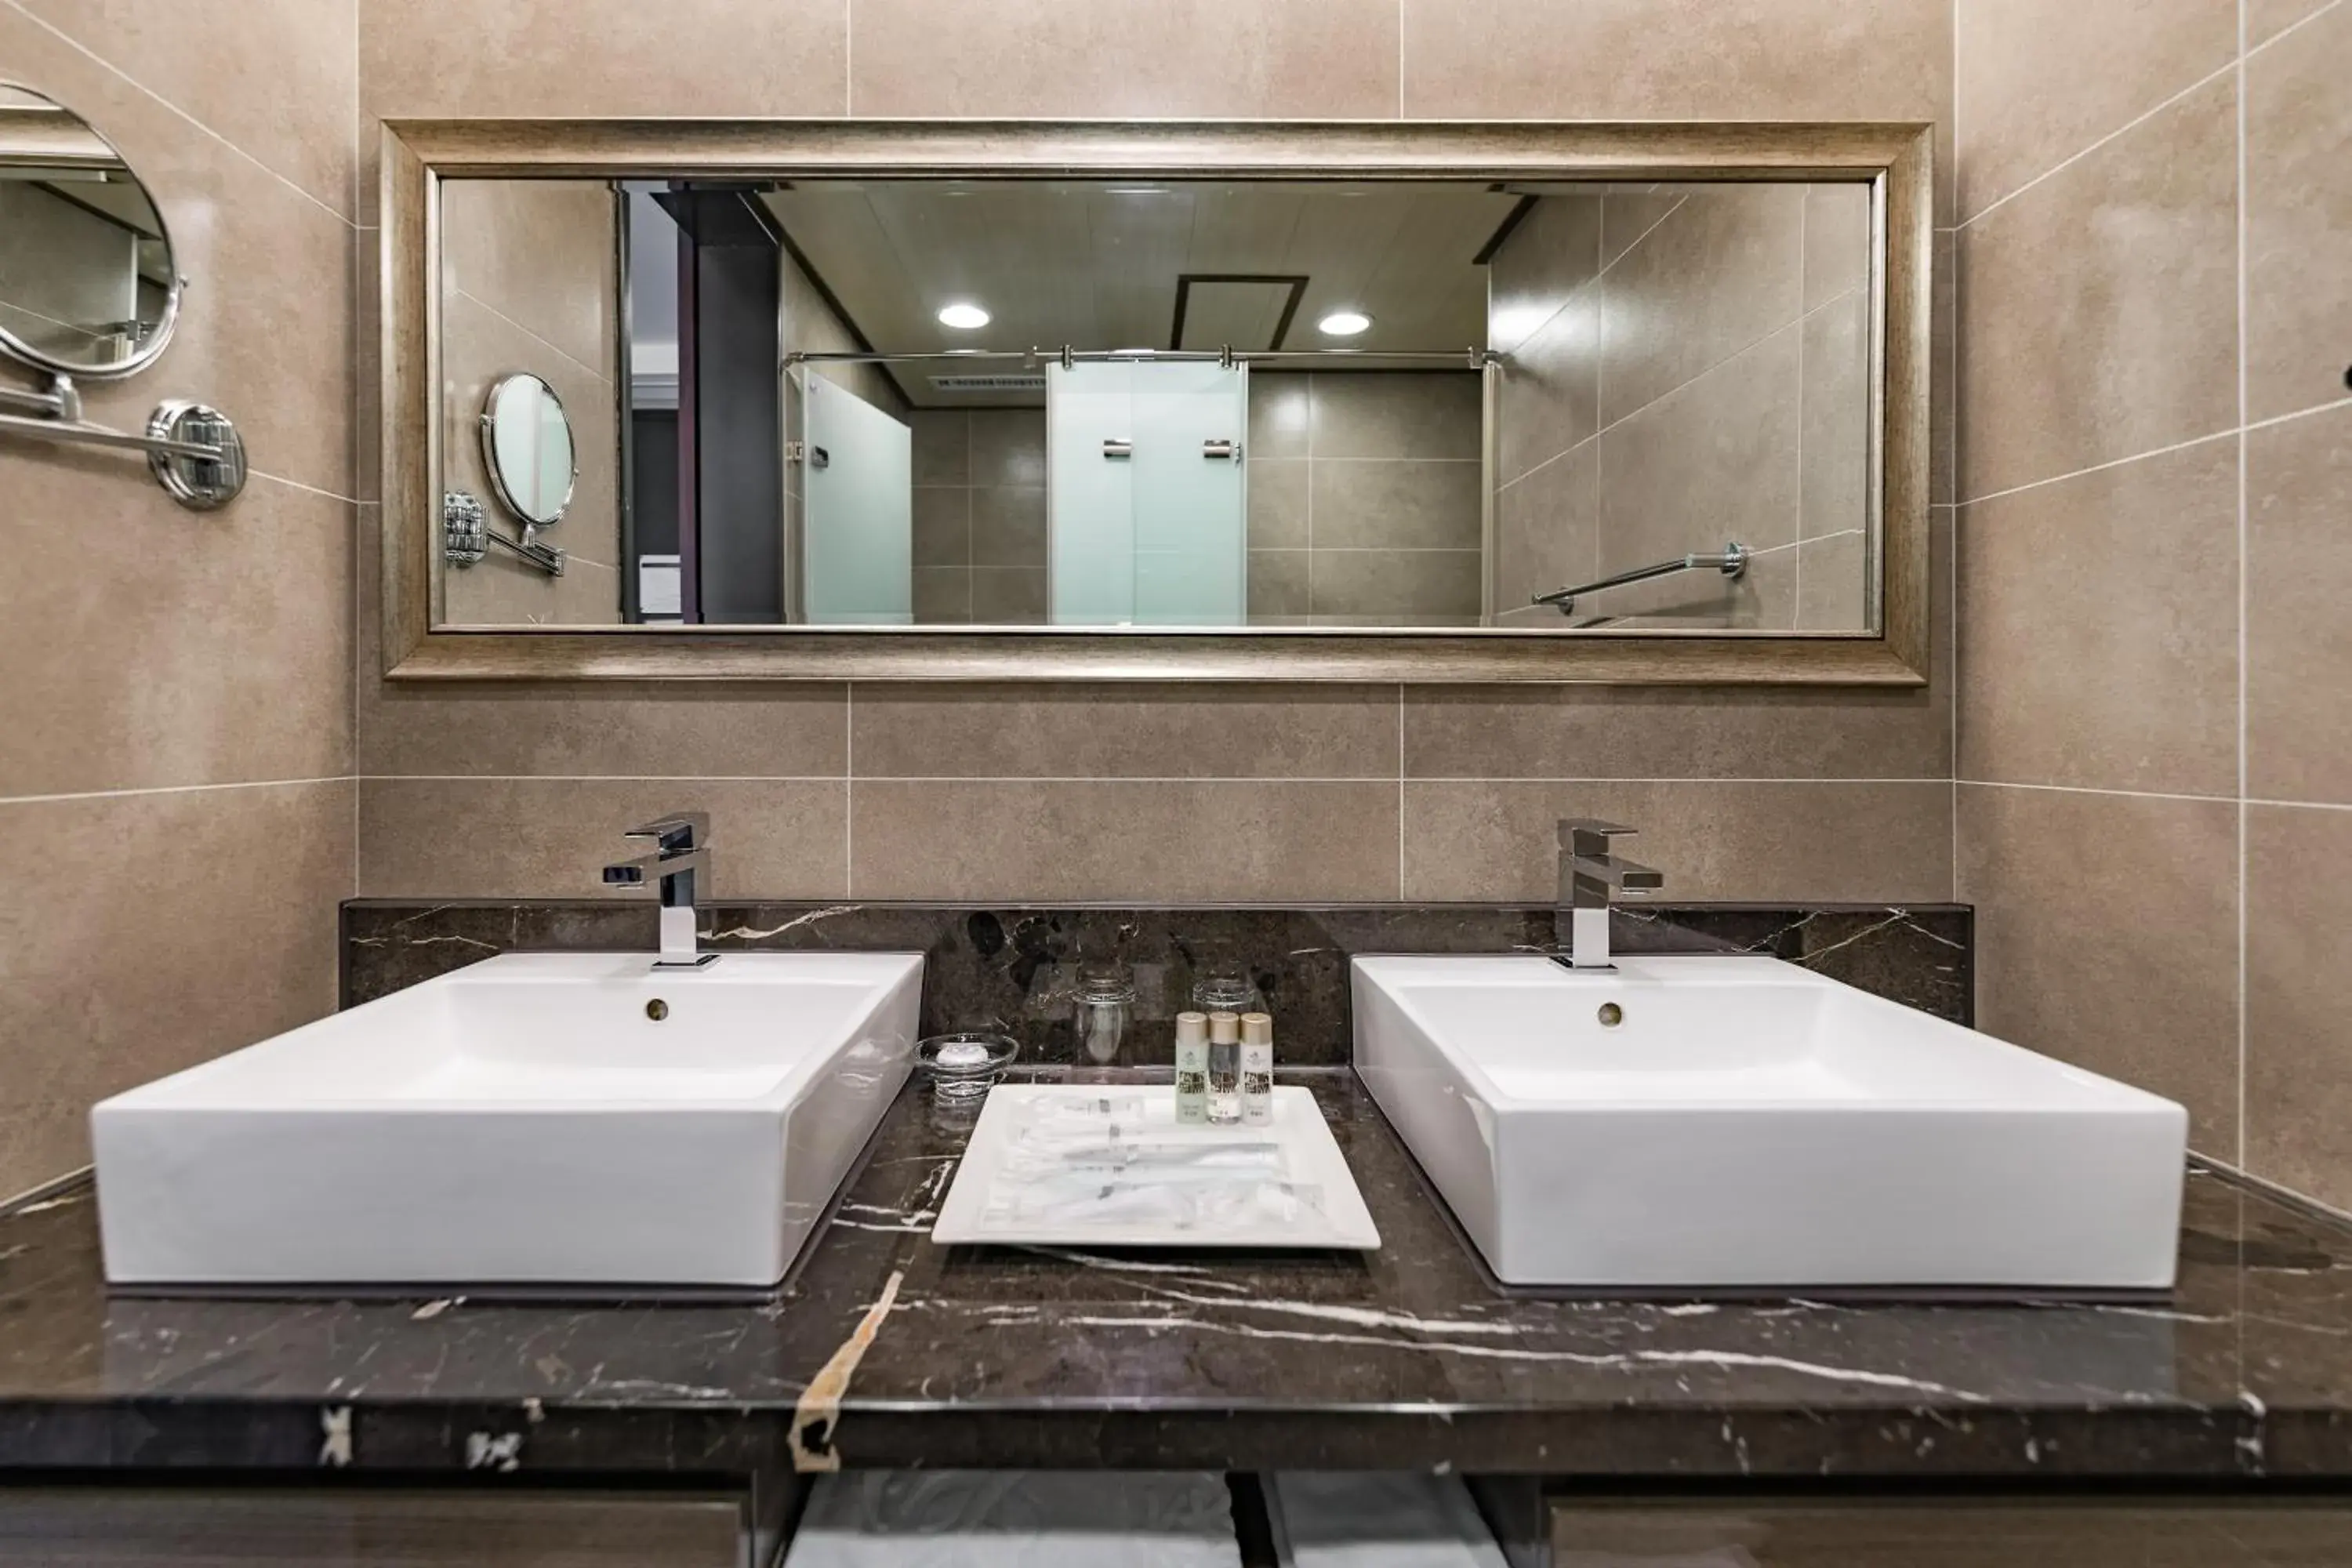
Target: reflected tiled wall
{"x":175,"y":774}
{"x":1144,"y":792}
{"x":2155,"y":454}
{"x":1363,"y":498}
{"x":979,"y":516}
{"x":530,"y":272}
{"x":1689,"y":367}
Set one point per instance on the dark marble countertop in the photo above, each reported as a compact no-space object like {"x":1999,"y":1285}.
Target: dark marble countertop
{"x":1405,"y":1358}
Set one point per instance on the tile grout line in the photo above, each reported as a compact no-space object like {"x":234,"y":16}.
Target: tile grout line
{"x":112,"y":68}
{"x":551,"y":348}
{"x":1951,"y":392}
{"x":1399,"y":769}
{"x":2095,"y":789}
{"x":175,"y":789}
{"x":848,"y":789}
{"x":1797,"y":322}
{"x":359,"y":609}
{"x":2331,"y":406}
{"x":2135,"y":123}
{"x":2244,"y":294}
{"x":2097,"y":468}
{"x":1797,"y":567}
{"x":1106,"y":779}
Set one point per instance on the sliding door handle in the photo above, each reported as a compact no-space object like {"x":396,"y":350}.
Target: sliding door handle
{"x":1227,"y":449}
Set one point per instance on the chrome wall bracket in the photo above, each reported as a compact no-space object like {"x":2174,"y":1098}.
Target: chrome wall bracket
{"x":467,"y":537}
{"x":193,"y":449}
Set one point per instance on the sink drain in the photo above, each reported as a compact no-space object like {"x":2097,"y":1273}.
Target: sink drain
{"x":656,"y":1009}
{"x":1610,"y":1014}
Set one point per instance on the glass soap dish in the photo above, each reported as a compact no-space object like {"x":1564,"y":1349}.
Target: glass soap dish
{"x":962,"y":1065}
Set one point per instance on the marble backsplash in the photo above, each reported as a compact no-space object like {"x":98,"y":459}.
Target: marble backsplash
{"x":1013,"y":969}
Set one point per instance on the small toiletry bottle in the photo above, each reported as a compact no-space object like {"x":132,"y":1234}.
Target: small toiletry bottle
{"x":1224,"y":1069}
{"x":1191,"y":1068}
{"x":1257,"y":1070}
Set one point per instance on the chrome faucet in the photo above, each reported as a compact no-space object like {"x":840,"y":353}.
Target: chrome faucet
{"x":681,"y":858}
{"x":1591,"y":877}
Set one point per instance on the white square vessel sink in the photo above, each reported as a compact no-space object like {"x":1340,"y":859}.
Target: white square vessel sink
{"x":1746,"y":1123}
{"x":527,"y":1120}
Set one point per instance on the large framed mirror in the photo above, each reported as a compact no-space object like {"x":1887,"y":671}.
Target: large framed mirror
{"x":1526,"y":402}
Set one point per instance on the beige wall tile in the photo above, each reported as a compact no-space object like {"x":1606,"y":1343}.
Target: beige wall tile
{"x":1146,"y":839}
{"x":1280,"y":409}
{"x":1552,"y":252}
{"x":1008,"y":526}
{"x":2099,"y":310}
{"x":2099,"y":631}
{"x":1627,"y":216}
{"x":1110,"y":58}
{"x":2266,"y":19}
{"x":1277,"y":585}
{"x":769,"y":839}
{"x":543,"y":254}
{"x":1395,"y":414}
{"x":942,"y":525}
{"x":235,"y":80}
{"x":144,"y":648}
{"x":2298,"y":638}
{"x":941,"y":596}
{"x":1484,"y":839}
{"x":1631,"y":732}
{"x":1110,"y":731}
{"x":1277,"y":502}
{"x":617,"y":730}
{"x":1715,"y":460}
{"x":1943,"y":373}
{"x":1550,"y":396}
{"x":603,"y":57}
{"x":1718,"y":275}
{"x":2149,"y":998}
{"x":1408,"y":504}
{"x":198,"y":922}
{"x":1832,"y":584}
{"x":1548,"y":531}
{"x":1008,"y":445}
{"x":265,"y":328}
{"x":1009,"y":595}
{"x":2027,"y":102}
{"x":1837,"y":240}
{"x":1701,"y":59}
{"x":941,"y":443}
{"x":2298,"y":210}
{"x":2298,"y":907}
{"x":1395,"y":585}
{"x":1834,"y":447}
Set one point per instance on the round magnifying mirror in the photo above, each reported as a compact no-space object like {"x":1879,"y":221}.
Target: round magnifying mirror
{"x":527,"y":445}
{"x":88,"y":287}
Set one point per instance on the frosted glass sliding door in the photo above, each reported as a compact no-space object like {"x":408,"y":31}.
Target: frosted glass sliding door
{"x":1147,"y":522}
{"x":857,"y":516}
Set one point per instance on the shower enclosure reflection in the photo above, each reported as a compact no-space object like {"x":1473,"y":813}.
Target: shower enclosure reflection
{"x":914,"y":403}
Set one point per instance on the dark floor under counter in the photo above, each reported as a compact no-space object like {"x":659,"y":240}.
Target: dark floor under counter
{"x":1042,"y":1358}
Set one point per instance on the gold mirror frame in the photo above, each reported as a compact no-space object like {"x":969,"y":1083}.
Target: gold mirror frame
{"x":418,"y":155}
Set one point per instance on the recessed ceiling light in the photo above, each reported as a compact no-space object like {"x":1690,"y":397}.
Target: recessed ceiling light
{"x":1343,"y":323}
{"x":963,"y":315}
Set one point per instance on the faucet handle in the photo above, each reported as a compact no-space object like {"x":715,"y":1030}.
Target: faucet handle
{"x":680,"y":830}
{"x":1590,"y":835}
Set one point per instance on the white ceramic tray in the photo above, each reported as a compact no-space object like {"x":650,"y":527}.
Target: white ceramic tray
{"x":1109,"y":1165}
